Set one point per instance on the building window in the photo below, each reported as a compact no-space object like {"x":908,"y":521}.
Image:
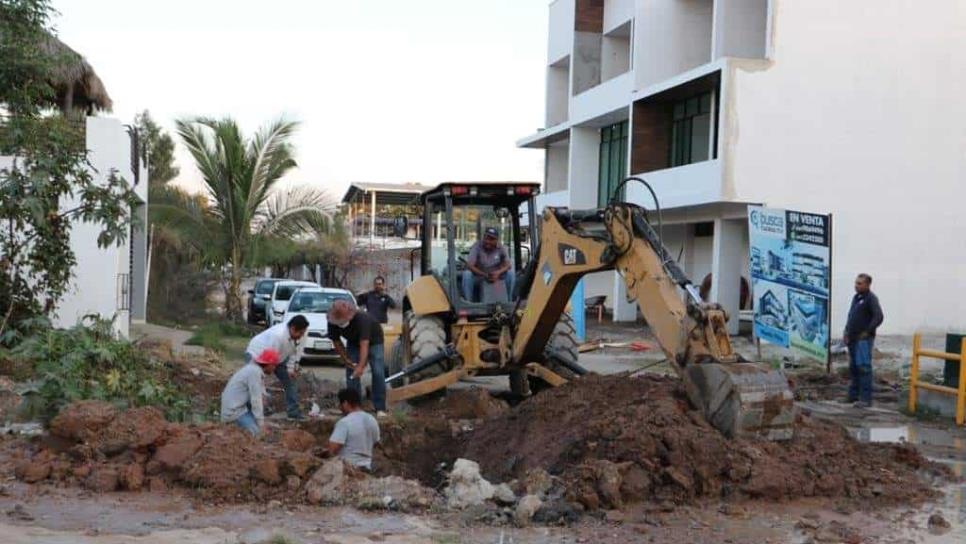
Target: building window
{"x":123,"y":292}
{"x":692,"y":131}
{"x":613,"y":161}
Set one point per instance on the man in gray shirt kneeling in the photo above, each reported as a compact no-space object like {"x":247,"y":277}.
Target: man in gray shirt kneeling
{"x":355,"y":434}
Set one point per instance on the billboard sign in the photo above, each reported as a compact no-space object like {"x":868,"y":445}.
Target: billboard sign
{"x":791,"y":274}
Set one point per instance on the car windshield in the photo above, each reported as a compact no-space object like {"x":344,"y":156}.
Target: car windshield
{"x":315,"y":302}
{"x":284,"y":292}
{"x":264,"y":287}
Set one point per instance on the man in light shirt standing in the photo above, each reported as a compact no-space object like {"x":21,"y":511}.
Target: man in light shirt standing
{"x":241,"y":401}
{"x":283,"y":338}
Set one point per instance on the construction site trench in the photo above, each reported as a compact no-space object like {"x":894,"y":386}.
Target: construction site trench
{"x":598,"y":444}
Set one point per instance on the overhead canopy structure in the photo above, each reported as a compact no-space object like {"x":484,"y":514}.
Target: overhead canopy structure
{"x":76,"y":84}
{"x":388,"y":194}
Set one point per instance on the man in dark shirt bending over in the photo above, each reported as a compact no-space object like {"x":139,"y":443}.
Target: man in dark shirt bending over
{"x":865,"y":316}
{"x":365,"y":348}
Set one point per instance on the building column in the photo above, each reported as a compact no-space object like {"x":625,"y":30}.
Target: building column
{"x":727,"y":257}
{"x":372,"y":221}
{"x":139,"y":263}
{"x":584,"y":168}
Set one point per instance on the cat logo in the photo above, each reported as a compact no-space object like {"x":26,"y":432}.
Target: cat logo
{"x":570,"y":255}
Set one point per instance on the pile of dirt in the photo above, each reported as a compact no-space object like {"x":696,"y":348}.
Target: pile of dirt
{"x":471,"y":403}
{"x":618,"y":439}
{"x":93,"y":445}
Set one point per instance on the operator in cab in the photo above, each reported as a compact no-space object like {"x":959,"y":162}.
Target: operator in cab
{"x":488,"y":262}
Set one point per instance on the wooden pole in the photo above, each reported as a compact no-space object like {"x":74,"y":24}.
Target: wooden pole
{"x":914,"y":372}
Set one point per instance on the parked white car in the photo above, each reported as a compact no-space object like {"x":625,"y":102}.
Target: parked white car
{"x":281,"y":294}
{"x":313,"y":303}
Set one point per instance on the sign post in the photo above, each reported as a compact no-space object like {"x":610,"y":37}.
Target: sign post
{"x":790,"y":267}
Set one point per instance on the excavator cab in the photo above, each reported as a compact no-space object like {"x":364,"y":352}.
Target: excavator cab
{"x":456,"y":218}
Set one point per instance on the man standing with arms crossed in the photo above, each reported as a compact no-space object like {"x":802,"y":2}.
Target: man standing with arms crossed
{"x":365,"y":348}
{"x":377,"y":302}
{"x":865,"y":316}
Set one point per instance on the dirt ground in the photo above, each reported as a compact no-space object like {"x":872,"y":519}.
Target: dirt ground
{"x":614,"y":458}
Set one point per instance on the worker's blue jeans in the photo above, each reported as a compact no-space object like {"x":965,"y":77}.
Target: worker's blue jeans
{"x":288,"y":384}
{"x":248,"y":422}
{"x":471,"y":283}
{"x":377,"y":366}
{"x":860,"y":369}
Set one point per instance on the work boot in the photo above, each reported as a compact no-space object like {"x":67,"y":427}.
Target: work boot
{"x":862,"y":404}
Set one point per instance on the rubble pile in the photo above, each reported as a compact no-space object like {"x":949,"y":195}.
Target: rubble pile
{"x":619,"y":439}
{"x":93,"y":445}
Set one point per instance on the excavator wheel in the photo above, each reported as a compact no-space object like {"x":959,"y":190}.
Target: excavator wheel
{"x":394,"y":358}
{"x":427,"y":336}
{"x":561,"y":346}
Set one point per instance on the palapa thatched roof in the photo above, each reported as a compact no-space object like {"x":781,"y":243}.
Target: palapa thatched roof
{"x":77,"y":85}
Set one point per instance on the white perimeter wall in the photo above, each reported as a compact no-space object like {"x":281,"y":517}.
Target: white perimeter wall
{"x":863,"y":115}
{"x":95,"y":285}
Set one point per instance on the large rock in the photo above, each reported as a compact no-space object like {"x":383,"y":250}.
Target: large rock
{"x":136,"y":428}
{"x":174,"y":454}
{"x":32,"y":471}
{"x":297,"y":440}
{"x":103,"y":479}
{"x":131,"y":477}
{"x":331,"y":484}
{"x":525,"y":510}
{"x":80,"y":421}
{"x":466,"y":486}
{"x":338,"y":483}
{"x":267,"y":470}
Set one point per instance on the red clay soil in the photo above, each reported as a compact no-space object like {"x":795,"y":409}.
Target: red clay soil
{"x":93,"y":445}
{"x":617,"y":438}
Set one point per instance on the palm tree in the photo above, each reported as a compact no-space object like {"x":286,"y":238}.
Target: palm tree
{"x":245,"y":205}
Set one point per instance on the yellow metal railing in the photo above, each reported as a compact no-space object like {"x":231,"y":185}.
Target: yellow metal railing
{"x":915,"y":384}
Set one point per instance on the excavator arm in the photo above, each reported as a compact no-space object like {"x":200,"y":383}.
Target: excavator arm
{"x":739,"y":398}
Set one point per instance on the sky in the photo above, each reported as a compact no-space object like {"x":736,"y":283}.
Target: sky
{"x":384,"y":90}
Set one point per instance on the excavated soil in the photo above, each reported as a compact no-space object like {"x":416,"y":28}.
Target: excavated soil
{"x":615,"y":439}
{"x":601,"y":442}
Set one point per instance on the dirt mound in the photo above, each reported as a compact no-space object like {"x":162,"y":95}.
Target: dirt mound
{"x":472,"y":403}
{"x":135,"y":429}
{"x":82,"y":420}
{"x":616,"y":439}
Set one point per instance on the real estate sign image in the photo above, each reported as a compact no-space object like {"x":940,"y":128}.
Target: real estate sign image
{"x":791,"y":278}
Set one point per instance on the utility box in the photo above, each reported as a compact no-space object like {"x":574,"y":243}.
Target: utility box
{"x":954,"y":343}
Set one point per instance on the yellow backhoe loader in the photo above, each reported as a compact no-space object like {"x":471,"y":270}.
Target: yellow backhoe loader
{"x":457,"y":325}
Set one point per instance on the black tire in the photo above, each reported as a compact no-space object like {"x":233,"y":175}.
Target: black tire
{"x":562,"y":346}
{"x":427,"y":336}
{"x":394,"y":362}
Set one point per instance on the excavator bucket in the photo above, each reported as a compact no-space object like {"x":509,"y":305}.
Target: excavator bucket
{"x":743,"y":399}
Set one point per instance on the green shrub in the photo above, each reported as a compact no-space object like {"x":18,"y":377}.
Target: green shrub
{"x":88,"y":361}
{"x":212,"y":335}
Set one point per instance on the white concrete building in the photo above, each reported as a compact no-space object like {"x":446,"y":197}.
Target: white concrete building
{"x":850,"y":108}
{"x":108,"y":281}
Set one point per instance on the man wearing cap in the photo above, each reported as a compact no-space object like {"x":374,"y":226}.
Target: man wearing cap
{"x":284,"y":340}
{"x":241,"y":401}
{"x":488,"y":261}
